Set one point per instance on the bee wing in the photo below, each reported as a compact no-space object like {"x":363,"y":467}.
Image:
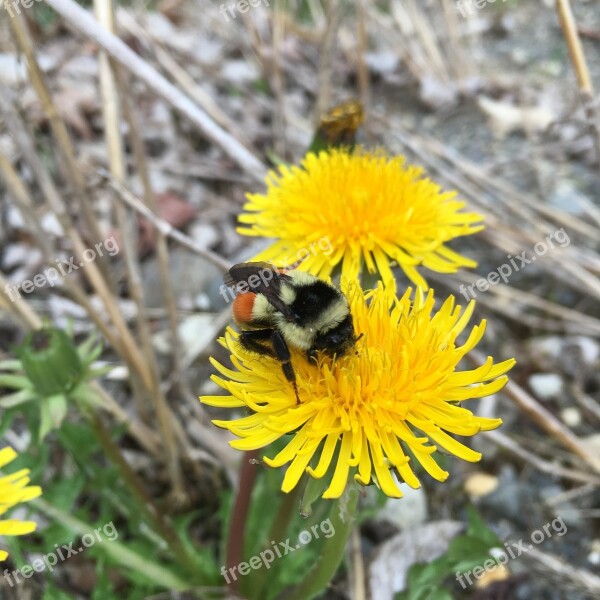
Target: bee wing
{"x":242,"y":272}
{"x":261,"y":278}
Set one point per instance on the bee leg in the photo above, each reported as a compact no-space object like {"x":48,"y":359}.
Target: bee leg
{"x":251,"y":340}
{"x":282,"y":352}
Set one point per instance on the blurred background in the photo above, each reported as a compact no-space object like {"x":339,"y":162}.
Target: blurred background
{"x":137,"y":156}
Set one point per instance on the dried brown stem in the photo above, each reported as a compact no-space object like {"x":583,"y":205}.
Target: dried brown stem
{"x":111,"y":102}
{"x":538,"y":463}
{"x":165,"y":228}
{"x":23,"y":139}
{"x":84,"y":22}
{"x":68,"y":164}
{"x":545,"y":419}
{"x":562,"y":574}
{"x":325,"y":76}
{"x":569,"y":27}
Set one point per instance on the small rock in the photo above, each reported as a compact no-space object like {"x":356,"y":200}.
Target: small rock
{"x":571,"y":416}
{"x":388,"y":571}
{"x":239,"y":72}
{"x":549,"y":346}
{"x":567,"y":197}
{"x":508,"y":499}
{"x":382,"y":63}
{"x":195,"y":333}
{"x":520,"y":56}
{"x":205,"y":235}
{"x":480,"y":484}
{"x":202,"y":302}
{"x":190,"y":276}
{"x":408,"y":511}
{"x":13,"y":68}
{"x":15,"y":255}
{"x":594,"y":555}
{"x":592,"y":443}
{"x":81,"y":66}
{"x":546,"y":385}
{"x":51,"y":224}
{"x":14,"y":218}
{"x":437,"y":94}
{"x":589,"y":349}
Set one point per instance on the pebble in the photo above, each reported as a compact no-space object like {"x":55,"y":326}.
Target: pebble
{"x":480,"y":484}
{"x":594,"y":555}
{"x":546,"y":385}
{"x":205,"y":235}
{"x":408,"y":511}
{"x":589,"y":349}
{"x":508,"y":499}
{"x":382,"y":63}
{"x":547,"y":346}
{"x":567,"y":197}
{"x":571,"y":416}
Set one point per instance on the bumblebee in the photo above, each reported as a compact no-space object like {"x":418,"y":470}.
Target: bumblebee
{"x":278,"y":308}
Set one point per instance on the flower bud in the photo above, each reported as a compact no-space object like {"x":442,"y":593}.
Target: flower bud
{"x":50,"y":361}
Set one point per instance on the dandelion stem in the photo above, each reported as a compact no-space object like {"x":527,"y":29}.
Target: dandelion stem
{"x":323,"y":571}
{"x":237,"y":527}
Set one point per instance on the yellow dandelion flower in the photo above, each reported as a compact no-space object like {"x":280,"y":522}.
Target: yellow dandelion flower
{"x":372,"y":409}
{"x":368,"y":207}
{"x":14,"y":489}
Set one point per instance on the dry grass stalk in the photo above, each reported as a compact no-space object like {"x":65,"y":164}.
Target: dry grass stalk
{"x":112,"y":126}
{"x":278,"y":79}
{"x":68,"y":165}
{"x":166,"y":228}
{"x":564,"y":575}
{"x":538,"y":463}
{"x":23,"y":201}
{"x":569,"y":27}
{"x":180,"y":76}
{"x":83,"y":22}
{"x":532,"y":408}
{"x":24,"y":141}
{"x":362,"y":69}
{"x":29,"y":319}
{"x":514,"y":303}
{"x":571,"y":270}
{"x":325,"y":76}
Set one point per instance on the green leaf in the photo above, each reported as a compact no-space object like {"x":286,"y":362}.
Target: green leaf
{"x":342,"y":518}
{"x":53,"y":411}
{"x":12,"y":364}
{"x":477,"y":528}
{"x":151,"y":570}
{"x":14,"y":381}
{"x":312,"y":492}
{"x":17,"y":398}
